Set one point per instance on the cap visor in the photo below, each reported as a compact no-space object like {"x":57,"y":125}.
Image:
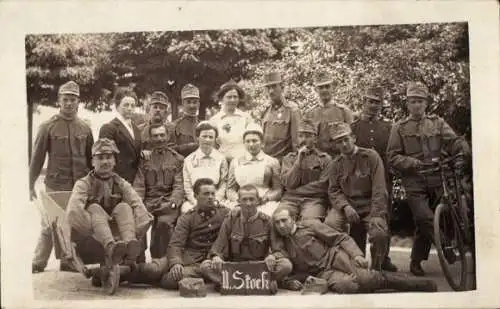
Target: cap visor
{"x":340,"y":135}
{"x":70,"y":92}
{"x":190,"y":96}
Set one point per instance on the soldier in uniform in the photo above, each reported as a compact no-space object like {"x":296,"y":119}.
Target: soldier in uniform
{"x":194,"y":235}
{"x":301,"y":168}
{"x":159,"y":182}
{"x":68,"y":141}
{"x":327,"y":112}
{"x":280,"y":120}
{"x":372,"y":131}
{"x":245,"y":236}
{"x":357,"y":192}
{"x":183,"y":137}
{"x":102,"y":203}
{"x":318,"y":250}
{"x":413,"y":143}
{"x":158,"y":108}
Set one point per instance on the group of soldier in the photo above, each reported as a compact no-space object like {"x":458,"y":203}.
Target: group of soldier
{"x":301,"y":192}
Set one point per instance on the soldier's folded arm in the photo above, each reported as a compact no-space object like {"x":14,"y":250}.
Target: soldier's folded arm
{"x":335,"y":195}
{"x":39,"y":153}
{"x":334,"y":238}
{"x":290,"y":172}
{"x":379,"y":199}
{"x":395,"y":150}
{"x":78,"y":218}
{"x":178,"y":241}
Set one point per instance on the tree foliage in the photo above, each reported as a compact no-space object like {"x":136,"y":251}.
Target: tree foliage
{"x":358,"y":57}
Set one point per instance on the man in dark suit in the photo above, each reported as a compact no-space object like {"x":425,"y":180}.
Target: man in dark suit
{"x":126,"y":135}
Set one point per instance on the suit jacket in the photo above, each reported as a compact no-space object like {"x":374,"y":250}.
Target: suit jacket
{"x":127,"y":161}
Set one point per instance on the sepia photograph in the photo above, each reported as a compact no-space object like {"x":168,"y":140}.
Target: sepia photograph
{"x":251,"y":163}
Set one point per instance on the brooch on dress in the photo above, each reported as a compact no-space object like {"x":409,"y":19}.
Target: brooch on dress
{"x":226,"y":127}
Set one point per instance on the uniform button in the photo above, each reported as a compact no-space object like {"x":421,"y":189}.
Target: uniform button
{"x":371,"y":131}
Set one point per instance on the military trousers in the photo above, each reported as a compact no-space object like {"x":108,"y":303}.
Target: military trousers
{"x":119,"y":224}
{"x":377,"y":235}
{"x":422,"y":199}
{"x":44,"y":243}
{"x":283,"y":268}
{"x":304,"y":208}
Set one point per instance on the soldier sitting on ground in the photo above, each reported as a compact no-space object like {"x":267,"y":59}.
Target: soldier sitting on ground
{"x":105,"y":206}
{"x":245,"y":236}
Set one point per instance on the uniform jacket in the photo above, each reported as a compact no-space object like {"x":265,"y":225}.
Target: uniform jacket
{"x":194,"y":235}
{"x":243,"y":240}
{"x":160,"y":178}
{"x":130,"y":149}
{"x":182,"y":136}
{"x":280,"y":130}
{"x":359,"y":181}
{"x":412,"y":140}
{"x":312,"y":247}
{"x":68,"y":144}
{"x":84,"y":193}
{"x":295,"y":174}
{"x":325,"y":117}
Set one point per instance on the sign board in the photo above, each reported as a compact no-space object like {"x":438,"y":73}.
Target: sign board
{"x":246,"y":278}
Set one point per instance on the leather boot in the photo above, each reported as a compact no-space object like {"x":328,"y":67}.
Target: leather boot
{"x":114,"y":253}
{"x":408,"y":284}
{"x":416,"y":268}
{"x":388,"y":265}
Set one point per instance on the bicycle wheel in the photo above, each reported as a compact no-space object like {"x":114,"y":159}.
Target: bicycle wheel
{"x":449,"y":243}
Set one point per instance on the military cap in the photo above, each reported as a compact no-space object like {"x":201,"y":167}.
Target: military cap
{"x":252,"y":128}
{"x":322,"y":78}
{"x":190,"y":91}
{"x":159,"y":97}
{"x":339,"y":129}
{"x":417,"y":90}
{"x":272,"y":78}
{"x":306,"y":125}
{"x":70,"y":88}
{"x":374,"y":93}
{"x":104,"y":145}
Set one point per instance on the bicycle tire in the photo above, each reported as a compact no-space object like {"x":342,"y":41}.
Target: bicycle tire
{"x":443,"y":210}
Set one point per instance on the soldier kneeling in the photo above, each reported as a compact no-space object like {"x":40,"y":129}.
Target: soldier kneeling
{"x":102,"y":203}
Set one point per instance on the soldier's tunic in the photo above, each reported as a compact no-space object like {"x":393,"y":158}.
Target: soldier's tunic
{"x":295,"y":177}
{"x":280,"y":130}
{"x":68,"y":143}
{"x":358,"y":181}
{"x":109,"y":194}
{"x":182,"y":135}
{"x":159,"y":181}
{"x":193,"y":237}
{"x":373,"y":133}
{"x":243,"y":239}
{"x":325,"y":117}
{"x":412,"y":140}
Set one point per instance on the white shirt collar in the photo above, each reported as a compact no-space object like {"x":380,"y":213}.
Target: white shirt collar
{"x":199,"y":154}
{"x":260,"y":156}
{"x":237,"y":112}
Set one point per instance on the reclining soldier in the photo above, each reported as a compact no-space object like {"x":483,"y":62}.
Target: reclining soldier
{"x":317,"y":249}
{"x":105,"y":206}
{"x":245,"y":236}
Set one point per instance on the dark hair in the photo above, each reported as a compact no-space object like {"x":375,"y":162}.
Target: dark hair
{"x":123,"y":92}
{"x":202,"y":182}
{"x":280,"y":209}
{"x":156,"y":126}
{"x":228,"y":87}
{"x":205,"y":126}
{"x":249,"y":187}
{"x":254,"y":132}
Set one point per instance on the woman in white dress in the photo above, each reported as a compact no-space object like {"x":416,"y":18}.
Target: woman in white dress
{"x":230,"y":120}
{"x":256,"y":168}
{"x":204,"y":162}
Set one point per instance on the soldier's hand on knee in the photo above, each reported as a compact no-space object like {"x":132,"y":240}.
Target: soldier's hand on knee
{"x":360,"y":261}
{"x":177,"y":271}
{"x":351,"y":214}
{"x":270,"y":261}
{"x":217,"y":262}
